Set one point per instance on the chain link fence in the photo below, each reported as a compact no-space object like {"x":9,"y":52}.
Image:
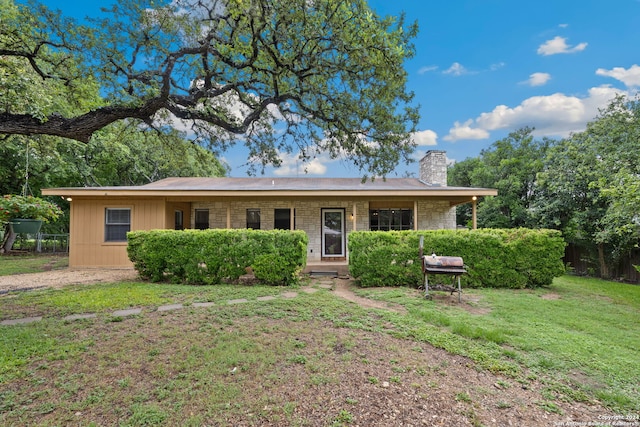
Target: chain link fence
{"x":42,"y":243}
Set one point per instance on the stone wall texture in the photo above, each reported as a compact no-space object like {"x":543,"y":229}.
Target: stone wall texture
{"x":431,"y":215}
{"x":433,"y":168}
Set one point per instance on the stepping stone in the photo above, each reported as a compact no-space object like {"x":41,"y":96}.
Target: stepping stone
{"x":204,"y":304}
{"x":266,"y":298}
{"x":309,"y":290}
{"x":325,"y":285}
{"x":79,"y":316}
{"x":170,"y":307}
{"x":128,"y":312}
{"x":290,"y":294}
{"x":237,"y":301}
{"x":23,"y":321}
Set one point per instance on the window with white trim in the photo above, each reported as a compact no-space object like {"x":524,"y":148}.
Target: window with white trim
{"x":117,"y":222}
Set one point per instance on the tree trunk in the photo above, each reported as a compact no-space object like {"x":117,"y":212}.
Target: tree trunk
{"x":7,"y":241}
{"x":604,"y":269}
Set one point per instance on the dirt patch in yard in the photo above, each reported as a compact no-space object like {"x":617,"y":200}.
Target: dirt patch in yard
{"x":289,"y":373}
{"x":57,"y":279}
{"x":343,"y":289}
{"x":293,"y":373}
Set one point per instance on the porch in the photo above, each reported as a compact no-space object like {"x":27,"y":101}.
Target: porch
{"x":327,"y":268}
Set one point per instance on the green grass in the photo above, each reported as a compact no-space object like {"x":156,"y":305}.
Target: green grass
{"x":114,"y":296}
{"x":578,"y":338}
{"x":18,"y":264}
{"x":581,"y":331}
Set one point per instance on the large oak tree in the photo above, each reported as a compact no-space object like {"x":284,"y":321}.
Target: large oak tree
{"x":277,"y":75}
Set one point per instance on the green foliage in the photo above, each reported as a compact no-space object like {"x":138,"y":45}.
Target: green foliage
{"x":258,"y":71}
{"x":517,"y":258}
{"x":589,"y":186}
{"x":274,"y":270}
{"x":509,"y":165}
{"x":28,"y":207}
{"x":585,"y":185}
{"x":54,"y":86}
{"x":124,"y":153}
{"x":621,"y":222}
{"x":213,"y":256}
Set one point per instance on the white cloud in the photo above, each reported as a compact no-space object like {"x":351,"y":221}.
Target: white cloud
{"x":425,"y":137}
{"x":559,"y":45}
{"x":538,"y":79}
{"x":630,"y":77}
{"x":456,"y":69}
{"x":426,"y":69}
{"x":551,"y":115}
{"x":292,"y":165}
{"x":465,"y":131}
{"x":539,"y":111}
{"x":496,"y":66}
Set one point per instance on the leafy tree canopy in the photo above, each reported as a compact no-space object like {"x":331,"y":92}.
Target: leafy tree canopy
{"x":277,"y":75}
{"x":122,"y":153}
{"x":509,"y":165}
{"x":589,"y":186}
{"x":586,"y":185}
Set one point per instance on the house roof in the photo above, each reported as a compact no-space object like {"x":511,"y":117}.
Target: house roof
{"x":291,"y":184}
{"x":196,"y":186}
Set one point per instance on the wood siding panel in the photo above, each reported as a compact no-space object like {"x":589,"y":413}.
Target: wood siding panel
{"x":88,"y":248}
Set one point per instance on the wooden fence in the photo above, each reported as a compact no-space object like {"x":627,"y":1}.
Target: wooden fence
{"x":584,"y":261}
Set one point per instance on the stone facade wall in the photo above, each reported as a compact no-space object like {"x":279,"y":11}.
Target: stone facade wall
{"x":431,"y":215}
{"x":436,"y":215}
{"x":433,"y":167}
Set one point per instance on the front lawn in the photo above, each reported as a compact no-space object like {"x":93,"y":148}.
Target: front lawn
{"x":579,"y":335}
{"x":548,"y":355}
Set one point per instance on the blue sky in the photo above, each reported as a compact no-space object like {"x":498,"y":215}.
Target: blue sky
{"x":485,"y":68}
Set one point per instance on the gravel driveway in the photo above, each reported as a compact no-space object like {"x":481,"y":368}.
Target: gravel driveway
{"x":64,"y":277}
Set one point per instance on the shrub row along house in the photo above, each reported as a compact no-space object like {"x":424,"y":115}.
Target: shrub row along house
{"x":327,"y":209}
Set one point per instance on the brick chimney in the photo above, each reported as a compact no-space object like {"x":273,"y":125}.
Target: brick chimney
{"x":433,"y":168}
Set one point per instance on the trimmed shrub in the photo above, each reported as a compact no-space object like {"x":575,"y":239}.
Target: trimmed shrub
{"x":214,"y":256}
{"x":498,"y":258}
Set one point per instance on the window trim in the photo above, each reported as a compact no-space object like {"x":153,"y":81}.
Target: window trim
{"x":129,"y":209}
{"x":343,"y":234}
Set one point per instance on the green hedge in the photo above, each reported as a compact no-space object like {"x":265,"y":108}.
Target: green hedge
{"x":497,"y":258}
{"x":214,"y":256}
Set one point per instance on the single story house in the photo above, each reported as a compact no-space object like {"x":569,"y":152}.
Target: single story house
{"x":327,"y":209}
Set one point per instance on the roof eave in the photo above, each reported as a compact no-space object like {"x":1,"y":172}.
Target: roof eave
{"x":137,"y":192}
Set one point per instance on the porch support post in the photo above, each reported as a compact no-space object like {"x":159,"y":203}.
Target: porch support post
{"x":415,"y":215}
{"x":354,"y":217}
{"x":473,"y":212}
{"x":292,"y":220}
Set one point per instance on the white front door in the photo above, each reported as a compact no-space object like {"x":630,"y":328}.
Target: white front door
{"x":333,"y":241}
